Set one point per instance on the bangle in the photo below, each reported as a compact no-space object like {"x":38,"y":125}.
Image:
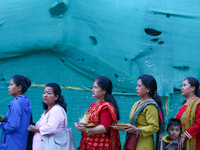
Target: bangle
{"x":86,"y":130}
{"x":183,"y":136}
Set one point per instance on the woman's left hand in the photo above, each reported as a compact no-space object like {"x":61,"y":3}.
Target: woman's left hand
{"x":181,"y":143}
{"x":131,"y":129}
{"x":33,"y":128}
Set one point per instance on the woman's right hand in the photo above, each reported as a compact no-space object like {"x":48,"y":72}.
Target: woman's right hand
{"x":131,"y":129}
{"x":33,"y":128}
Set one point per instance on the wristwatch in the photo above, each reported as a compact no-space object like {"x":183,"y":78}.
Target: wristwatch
{"x":137,"y":131}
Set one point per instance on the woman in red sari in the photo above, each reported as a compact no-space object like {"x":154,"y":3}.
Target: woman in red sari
{"x":189,"y":114}
{"x":102,"y":113}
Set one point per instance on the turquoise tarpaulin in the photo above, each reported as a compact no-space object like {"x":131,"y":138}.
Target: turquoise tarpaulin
{"x":73,"y":42}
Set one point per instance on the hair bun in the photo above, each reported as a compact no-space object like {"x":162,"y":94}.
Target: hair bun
{"x":28,"y":82}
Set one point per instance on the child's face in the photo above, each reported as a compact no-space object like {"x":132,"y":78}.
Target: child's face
{"x":174,"y":132}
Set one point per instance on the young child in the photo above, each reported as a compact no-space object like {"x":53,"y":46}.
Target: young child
{"x":174,"y":129}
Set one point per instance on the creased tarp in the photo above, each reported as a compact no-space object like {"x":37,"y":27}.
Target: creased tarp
{"x":118,"y":39}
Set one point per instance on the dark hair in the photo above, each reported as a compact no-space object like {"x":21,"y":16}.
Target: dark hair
{"x":174,"y":122}
{"x":150,"y":82}
{"x":56,"y":91}
{"x":194,"y":82}
{"x":106,"y":84}
{"x":22,"y":81}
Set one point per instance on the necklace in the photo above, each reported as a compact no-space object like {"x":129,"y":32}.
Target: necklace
{"x":48,"y":110}
{"x":189,"y":101}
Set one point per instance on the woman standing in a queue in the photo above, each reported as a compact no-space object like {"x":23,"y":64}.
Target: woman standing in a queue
{"x":146,"y":117}
{"x":189,"y":115}
{"x":14,"y":130}
{"x":102,"y":113}
{"x":54,"y":118}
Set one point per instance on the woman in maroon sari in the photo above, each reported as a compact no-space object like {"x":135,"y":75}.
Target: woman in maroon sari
{"x":102,"y":113}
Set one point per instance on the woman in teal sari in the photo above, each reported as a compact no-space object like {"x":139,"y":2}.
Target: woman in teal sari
{"x":146,"y":117}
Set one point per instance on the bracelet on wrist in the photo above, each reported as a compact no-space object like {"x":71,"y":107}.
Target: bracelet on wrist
{"x":183,"y":136}
{"x":87,"y":130}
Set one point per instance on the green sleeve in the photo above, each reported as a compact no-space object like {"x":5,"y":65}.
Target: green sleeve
{"x":152,"y":119}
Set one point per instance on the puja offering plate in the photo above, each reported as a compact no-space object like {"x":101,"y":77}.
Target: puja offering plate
{"x":88,"y":126}
{"x":119,"y":127}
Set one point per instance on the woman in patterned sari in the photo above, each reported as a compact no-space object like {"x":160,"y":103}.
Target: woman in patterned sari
{"x":102,"y":113}
{"x":189,"y":114}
